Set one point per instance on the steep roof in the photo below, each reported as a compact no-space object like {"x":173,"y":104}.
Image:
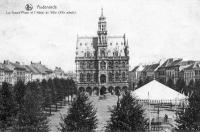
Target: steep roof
{"x":27,"y":68}
{"x":1,"y":66}
{"x":135,"y":68}
{"x":175,"y":62}
{"x":41,"y":68}
{"x":151,"y":67}
{"x":167,"y":62}
{"x":32,"y":69}
{"x":193,"y":66}
{"x":87,"y":45}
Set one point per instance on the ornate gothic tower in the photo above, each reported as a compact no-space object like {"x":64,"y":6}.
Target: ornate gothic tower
{"x":102,"y":61}
{"x":102,"y":52}
{"x":102,"y":31}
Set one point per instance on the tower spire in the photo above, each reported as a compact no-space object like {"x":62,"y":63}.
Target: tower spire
{"x":102,"y":31}
{"x":101,"y":11}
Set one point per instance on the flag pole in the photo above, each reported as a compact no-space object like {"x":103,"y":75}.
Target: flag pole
{"x":149,"y":113}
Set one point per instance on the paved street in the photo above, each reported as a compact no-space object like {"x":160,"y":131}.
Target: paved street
{"x":102,"y":112}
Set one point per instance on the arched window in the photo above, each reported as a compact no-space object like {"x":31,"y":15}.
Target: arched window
{"x":110,"y":77}
{"x":88,"y":77}
{"x":123,"y":76}
{"x":95,"y":77}
{"x":117,"y":78}
{"x":110,"y":64}
{"x":81,"y":65}
{"x":103,"y":53}
{"x":88,"y":65}
{"x":88,"y":54}
{"x":116,"y":64}
{"x":81,"y":77}
{"x":103,"y":78}
{"x":116,"y":53}
{"x":103,"y":65}
{"x":123,"y":64}
{"x":91,"y":65}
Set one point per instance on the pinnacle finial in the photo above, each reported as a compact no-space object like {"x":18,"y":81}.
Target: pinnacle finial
{"x":101,"y":11}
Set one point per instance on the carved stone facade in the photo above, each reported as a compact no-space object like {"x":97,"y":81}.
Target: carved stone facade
{"x":102,"y":62}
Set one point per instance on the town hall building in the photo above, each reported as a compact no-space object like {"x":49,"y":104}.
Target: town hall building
{"x":102,"y":61}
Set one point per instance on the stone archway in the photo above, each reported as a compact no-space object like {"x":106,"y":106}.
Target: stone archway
{"x":103,"y":78}
{"x":89,"y":90}
{"x":103,"y":90}
{"x":81,"y":89}
{"x":117,"y":90}
{"x":111,"y":90}
{"x":96,"y":91}
{"x":124,"y":88}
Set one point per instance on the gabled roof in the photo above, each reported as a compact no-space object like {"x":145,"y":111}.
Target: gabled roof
{"x":172,"y":62}
{"x":27,"y":68}
{"x":151,"y":67}
{"x":1,"y":66}
{"x":193,"y":66}
{"x":135,"y":68}
{"x":146,"y":68}
{"x":167,"y":62}
{"x":42,"y":69}
{"x":32,"y":69}
{"x":176,"y":62}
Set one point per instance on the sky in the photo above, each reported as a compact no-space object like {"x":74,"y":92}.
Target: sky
{"x":155,"y":29}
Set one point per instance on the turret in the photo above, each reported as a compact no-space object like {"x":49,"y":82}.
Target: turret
{"x":102,"y":30}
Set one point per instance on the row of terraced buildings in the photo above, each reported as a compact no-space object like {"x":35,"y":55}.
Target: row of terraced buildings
{"x":171,"y":68}
{"x":11,"y":72}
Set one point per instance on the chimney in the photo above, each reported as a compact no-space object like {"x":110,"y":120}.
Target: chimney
{"x":17,"y":62}
{"x":6,"y":62}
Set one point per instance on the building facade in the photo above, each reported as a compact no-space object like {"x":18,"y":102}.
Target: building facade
{"x":192,"y":73}
{"x":102,"y":62}
{"x":18,"y":72}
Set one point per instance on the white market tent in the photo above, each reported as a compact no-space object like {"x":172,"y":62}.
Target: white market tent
{"x":154,"y":91}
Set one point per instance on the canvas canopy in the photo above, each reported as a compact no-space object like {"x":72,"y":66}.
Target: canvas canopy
{"x":154,"y":90}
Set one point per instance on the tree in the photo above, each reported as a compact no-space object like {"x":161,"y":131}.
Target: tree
{"x":31,"y":118}
{"x":127,"y":115}
{"x":81,"y":116}
{"x":19,"y":92}
{"x":180,"y":85}
{"x":189,"y":88}
{"x":53,"y":92}
{"x":45,"y":94}
{"x":197,"y":85}
{"x":7,"y":107}
{"x":189,"y":119}
{"x":170,"y":83}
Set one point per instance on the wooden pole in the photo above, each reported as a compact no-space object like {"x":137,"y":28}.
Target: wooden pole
{"x":149,"y":113}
